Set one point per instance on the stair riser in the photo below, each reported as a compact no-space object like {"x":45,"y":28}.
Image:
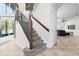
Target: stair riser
{"x":36,"y":38}
{"x":35,"y":51}
{"x":38,"y":44}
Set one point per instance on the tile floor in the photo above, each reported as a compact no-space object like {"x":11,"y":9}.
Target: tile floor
{"x":66,"y":46}
{"x":10,"y":48}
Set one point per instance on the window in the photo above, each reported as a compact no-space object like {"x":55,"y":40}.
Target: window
{"x":4,"y":9}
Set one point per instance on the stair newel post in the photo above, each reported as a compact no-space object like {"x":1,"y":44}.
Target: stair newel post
{"x":30,"y":30}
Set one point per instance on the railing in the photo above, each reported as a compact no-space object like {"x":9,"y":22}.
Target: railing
{"x":40,"y":23}
{"x":26,"y":25}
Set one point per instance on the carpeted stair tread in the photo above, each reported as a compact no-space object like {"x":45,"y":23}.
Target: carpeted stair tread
{"x":38,"y":44}
{"x":34,"y":51}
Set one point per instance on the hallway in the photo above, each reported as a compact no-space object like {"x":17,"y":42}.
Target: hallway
{"x":66,"y":46}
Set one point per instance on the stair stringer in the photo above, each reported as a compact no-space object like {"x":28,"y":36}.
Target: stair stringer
{"x":21,"y":38}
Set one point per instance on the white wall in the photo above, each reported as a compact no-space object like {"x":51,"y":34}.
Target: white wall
{"x":74,"y":21}
{"x":60,"y":24}
{"x":68,"y":10}
{"x":21,"y":39}
{"x":64,"y":25}
{"x":42,"y":13}
{"x":21,"y":6}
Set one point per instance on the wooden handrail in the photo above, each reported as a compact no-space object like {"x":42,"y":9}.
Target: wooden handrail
{"x":30,"y":31}
{"x":40,"y":23}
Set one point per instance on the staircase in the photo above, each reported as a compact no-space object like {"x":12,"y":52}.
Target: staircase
{"x":37,"y":42}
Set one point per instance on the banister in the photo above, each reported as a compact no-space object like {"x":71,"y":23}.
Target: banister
{"x":29,"y":27}
{"x":40,"y":23}
{"x":30,"y":31}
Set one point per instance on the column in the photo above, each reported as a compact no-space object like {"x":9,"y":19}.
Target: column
{"x":53,"y":25}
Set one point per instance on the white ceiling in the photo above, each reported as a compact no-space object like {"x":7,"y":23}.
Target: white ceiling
{"x":68,"y":10}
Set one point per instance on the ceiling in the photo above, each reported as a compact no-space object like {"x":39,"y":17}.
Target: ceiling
{"x":68,"y":10}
